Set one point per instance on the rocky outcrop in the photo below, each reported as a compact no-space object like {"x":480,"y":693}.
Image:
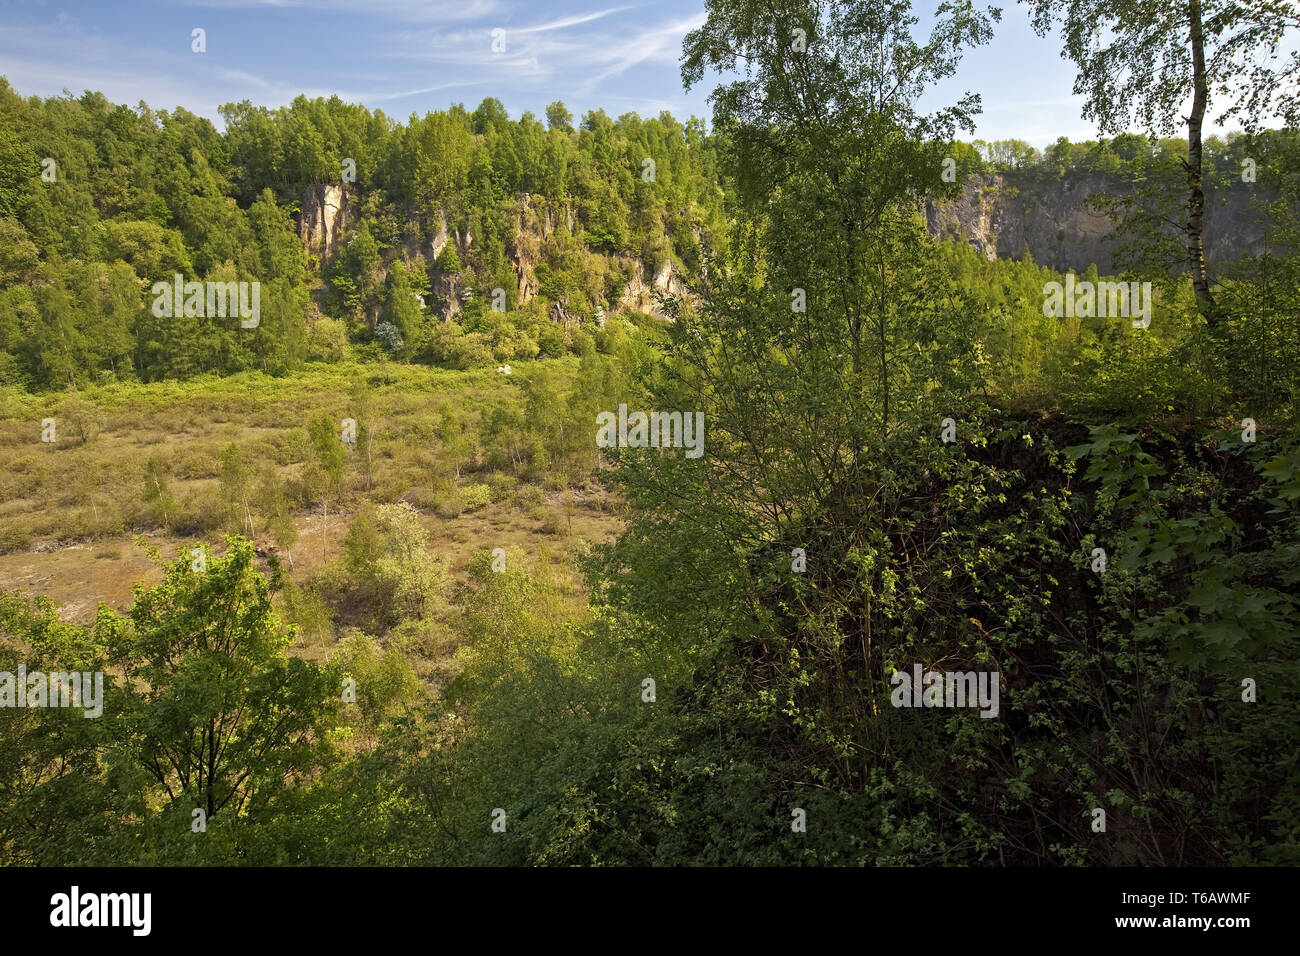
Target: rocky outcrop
{"x":439,"y":241}
{"x":639,"y":295}
{"x":450,"y":289}
{"x":326,"y":212}
{"x":1007,"y":216}
{"x":526,"y":246}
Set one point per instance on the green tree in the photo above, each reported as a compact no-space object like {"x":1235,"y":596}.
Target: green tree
{"x":276,"y":509}
{"x":1156,"y":56}
{"x":448,"y":260}
{"x":236,"y":481}
{"x":329,"y":458}
{"x":402,"y":307}
{"x":558,"y":117}
{"x":358,"y":274}
{"x":54,"y":803}
{"x":216,"y":711}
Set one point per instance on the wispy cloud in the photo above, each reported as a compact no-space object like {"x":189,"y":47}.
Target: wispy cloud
{"x":538,"y":51}
{"x":657,"y":44}
{"x":431,"y":11}
{"x":570,"y":21}
{"x":368,"y":51}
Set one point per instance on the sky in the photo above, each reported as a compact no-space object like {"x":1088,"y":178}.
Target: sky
{"x":412,"y":56}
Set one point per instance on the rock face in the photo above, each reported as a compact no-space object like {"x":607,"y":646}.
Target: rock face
{"x":1007,"y":216}
{"x":450,"y":289}
{"x":440,"y":239}
{"x":326,"y":212}
{"x":639,"y":295}
{"x":1002,"y":216}
{"x":526,"y":248}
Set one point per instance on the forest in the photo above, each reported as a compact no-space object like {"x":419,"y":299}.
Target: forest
{"x":387,"y":578}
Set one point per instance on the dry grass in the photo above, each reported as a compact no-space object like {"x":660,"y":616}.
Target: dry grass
{"x":70,"y":511}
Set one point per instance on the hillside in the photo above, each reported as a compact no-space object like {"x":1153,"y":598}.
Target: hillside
{"x":459,"y":239}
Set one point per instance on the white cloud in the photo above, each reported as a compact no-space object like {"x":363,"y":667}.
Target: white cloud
{"x":657,"y":44}
{"x":434,"y":11}
{"x":575,"y":58}
{"x":569,"y":21}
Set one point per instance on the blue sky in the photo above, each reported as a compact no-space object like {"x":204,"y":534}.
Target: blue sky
{"x":405,"y":56}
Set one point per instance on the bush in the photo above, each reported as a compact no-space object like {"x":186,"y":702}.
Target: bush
{"x":327,"y":341}
{"x":476,"y":496}
{"x":450,"y":346}
{"x":451,"y":505}
{"x":528,"y":496}
{"x":550,"y":340}
{"x":448,"y":260}
{"x":502,"y":487}
{"x":553,"y":522}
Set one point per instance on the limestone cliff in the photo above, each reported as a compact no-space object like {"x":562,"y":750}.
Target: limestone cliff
{"x":327,"y":211}
{"x":639,"y":295}
{"x":1005,"y":216}
{"x":325,"y":214}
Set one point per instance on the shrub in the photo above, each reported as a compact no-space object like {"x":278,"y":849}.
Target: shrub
{"x":327,"y":341}
{"x":476,"y":496}
{"x":528,"y":496}
{"x":502,"y":486}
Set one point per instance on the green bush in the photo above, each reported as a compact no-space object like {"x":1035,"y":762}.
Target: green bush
{"x":475,"y":496}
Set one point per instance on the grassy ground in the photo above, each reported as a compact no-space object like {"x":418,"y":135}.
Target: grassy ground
{"x":146,"y":460}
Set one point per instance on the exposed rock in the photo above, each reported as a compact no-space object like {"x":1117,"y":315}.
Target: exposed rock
{"x":666,"y":281}
{"x":450,"y":290}
{"x":1007,"y":216}
{"x":639,"y":295}
{"x":328,"y":209}
{"x":326,"y":212}
{"x":440,"y":240}
{"x":563,"y":316}
{"x":526,"y":247}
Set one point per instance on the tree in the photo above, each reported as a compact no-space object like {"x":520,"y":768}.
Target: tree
{"x":156,"y":489}
{"x":357,"y":274}
{"x":402,"y":307}
{"x":455,"y":444}
{"x":236,"y":478}
{"x":490,"y":115}
{"x":448,"y":261}
{"x":827,"y":152}
{"x":216,"y":711}
{"x":558,"y":117}
{"x":329,"y":459}
{"x":369,"y":423}
{"x":276,"y":510}
{"x":1156,"y":56}
{"x":53,"y":805}
{"x":413,"y":575}
{"x":827,"y":340}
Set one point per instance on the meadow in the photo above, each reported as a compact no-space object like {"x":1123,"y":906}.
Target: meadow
{"x":175,"y":465}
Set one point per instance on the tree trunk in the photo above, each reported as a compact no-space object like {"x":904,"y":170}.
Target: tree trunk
{"x":1195,"y":172}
